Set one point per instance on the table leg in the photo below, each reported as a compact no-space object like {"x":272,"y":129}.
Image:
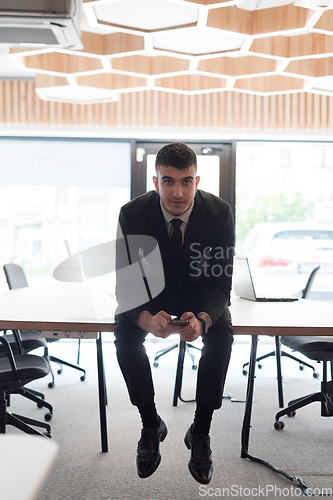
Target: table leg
{"x":279,"y":371}
{"x":102,"y":393}
{"x":179,"y":373}
{"x":297,"y":480}
{"x":249,"y":398}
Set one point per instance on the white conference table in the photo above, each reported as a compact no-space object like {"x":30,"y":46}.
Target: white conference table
{"x":62,"y":310}
{"x":24,"y":464}
{"x":66,"y":310}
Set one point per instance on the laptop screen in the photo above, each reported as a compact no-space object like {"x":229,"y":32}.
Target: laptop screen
{"x":242,"y":283}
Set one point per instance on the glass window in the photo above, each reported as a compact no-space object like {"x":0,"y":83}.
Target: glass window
{"x":57,"y":190}
{"x":284,"y":217}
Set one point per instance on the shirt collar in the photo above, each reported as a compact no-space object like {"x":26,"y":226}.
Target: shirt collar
{"x":183,"y":217}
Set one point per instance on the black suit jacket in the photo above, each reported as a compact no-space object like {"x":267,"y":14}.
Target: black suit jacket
{"x":205,"y":269}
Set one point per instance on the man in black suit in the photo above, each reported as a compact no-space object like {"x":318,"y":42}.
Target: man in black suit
{"x":195,"y":233}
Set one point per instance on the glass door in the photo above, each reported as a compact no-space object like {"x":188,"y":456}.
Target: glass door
{"x":215,"y":168}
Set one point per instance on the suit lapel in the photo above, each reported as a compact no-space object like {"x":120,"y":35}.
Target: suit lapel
{"x":195,"y":224}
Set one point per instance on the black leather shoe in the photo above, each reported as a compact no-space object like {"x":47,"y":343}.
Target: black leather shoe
{"x":200,"y":464}
{"x":148,"y":452}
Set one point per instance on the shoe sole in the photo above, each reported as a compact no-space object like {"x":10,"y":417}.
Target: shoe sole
{"x":163,"y":436}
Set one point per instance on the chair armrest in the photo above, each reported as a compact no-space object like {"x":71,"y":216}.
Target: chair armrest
{"x":18,"y":341}
{"x":11,"y":358}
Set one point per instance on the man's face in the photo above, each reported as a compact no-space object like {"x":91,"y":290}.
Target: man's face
{"x":176,"y":188}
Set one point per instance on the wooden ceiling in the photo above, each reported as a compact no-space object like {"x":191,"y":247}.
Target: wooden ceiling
{"x":190,"y":47}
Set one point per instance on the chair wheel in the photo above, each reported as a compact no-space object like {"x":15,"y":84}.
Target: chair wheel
{"x":48,"y":416}
{"x":259,"y":366}
{"x":301,"y":367}
{"x":278,"y":425}
{"x":40,"y":405}
{"x":194,"y":367}
{"x":47,"y":434}
{"x":83,"y":378}
{"x":315,"y":375}
{"x":244,"y":372}
{"x":291,"y":414}
{"x":59,"y":372}
{"x":50,"y":385}
{"x":155,"y":364}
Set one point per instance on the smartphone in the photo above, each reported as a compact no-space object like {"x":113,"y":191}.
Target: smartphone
{"x":178,"y":322}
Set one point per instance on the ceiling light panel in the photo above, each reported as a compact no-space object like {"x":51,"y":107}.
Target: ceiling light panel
{"x":197,"y":42}
{"x":75,"y":94}
{"x":146,"y":15}
{"x":325,"y":84}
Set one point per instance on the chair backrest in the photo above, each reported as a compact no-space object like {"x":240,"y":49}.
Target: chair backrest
{"x":308,"y":286}
{"x":15,"y":276}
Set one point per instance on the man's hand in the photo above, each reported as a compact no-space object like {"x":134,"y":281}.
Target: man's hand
{"x":158,"y":324}
{"x":193,"y":330}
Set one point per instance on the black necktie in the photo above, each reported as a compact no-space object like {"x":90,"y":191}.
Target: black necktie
{"x":176,"y":239}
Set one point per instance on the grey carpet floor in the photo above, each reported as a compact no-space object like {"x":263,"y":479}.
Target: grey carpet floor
{"x":82,"y":472}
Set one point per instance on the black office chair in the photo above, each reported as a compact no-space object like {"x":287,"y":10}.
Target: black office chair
{"x":15,"y":373}
{"x":278,"y":353}
{"x":23,"y":343}
{"x":319,"y":349}
{"x":16,"y":279}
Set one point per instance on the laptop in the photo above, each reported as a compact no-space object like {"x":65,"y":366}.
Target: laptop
{"x":242,"y":283}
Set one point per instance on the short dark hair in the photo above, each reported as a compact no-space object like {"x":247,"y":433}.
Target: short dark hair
{"x":177,"y":155}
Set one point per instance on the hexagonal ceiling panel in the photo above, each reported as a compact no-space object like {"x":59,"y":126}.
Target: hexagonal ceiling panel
{"x":146,"y":15}
{"x":112,"y":43}
{"x":59,"y":62}
{"x":270,"y":84}
{"x":197,"y":42}
{"x":310,"y":44}
{"x":259,"y":22}
{"x":311,"y":67}
{"x":236,"y":66}
{"x":191,"y":83}
{"x":111,"y":81}
{"x":150,"y":65}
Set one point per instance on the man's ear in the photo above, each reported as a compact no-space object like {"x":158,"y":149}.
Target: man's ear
{"x":155,"y":181}
{"x":197,"y":180}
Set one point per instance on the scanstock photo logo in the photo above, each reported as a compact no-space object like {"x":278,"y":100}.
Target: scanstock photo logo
{"x":137,"y":263}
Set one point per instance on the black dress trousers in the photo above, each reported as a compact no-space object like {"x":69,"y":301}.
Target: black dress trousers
{"x":213,"y":364}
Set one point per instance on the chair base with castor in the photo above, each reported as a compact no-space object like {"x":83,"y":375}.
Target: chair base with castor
{"x":188,"y":348}
{"x":19,"y":421}
{"x":325,"y":397}
{"x":278,"y":354}
{"x":302,"y":363}
{"x":30,"y":394}
{"x":66,"y":363}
